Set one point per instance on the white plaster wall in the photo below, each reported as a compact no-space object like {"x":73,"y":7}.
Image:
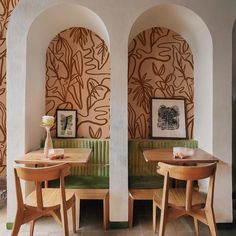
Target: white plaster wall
{"x":119,"y":17}
{"x":40,"y":34}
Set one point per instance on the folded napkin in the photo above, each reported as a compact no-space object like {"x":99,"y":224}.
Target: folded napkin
{"x":55,"y":154}
{"x":182,"y":152}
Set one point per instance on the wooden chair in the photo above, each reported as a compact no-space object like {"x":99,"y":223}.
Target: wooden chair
{"x":176,"y":202}
{"x":43,"y":201}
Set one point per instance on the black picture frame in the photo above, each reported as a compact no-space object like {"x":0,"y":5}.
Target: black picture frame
{"x":66,"y":123}
{"x":168,"y":118}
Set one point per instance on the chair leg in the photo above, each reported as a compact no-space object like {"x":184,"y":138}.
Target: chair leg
{"x":74,"y":217}
{"x":56,"y":215}
{"x":196,"y":226}
{"x":17,"y":223}
{"x":106,"y":212}
{"x":162,"y":222}
{"x":211,"y":221}
{"x":131,"y":210}
{"x":154,"y":217}
{"x":32,"y":223}
{"x":64,"y":219}
{"x":77,"y":202}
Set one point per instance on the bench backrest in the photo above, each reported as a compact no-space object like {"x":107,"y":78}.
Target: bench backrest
{"x":98,"y":164}
{"x":137,"y":164}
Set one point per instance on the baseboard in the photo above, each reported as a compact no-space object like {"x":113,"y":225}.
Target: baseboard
{"x":119,"y":225}
{"x":9,"y":225}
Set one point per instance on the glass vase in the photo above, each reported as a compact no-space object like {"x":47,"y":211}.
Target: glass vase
{"x":48,"y":141}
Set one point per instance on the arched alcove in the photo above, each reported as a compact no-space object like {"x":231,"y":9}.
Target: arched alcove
{"x":41,"y":33}
{"x":27,"y":46}
{"x":192,"y":28}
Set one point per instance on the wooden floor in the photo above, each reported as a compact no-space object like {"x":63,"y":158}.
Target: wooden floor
{"x":92,"y":224}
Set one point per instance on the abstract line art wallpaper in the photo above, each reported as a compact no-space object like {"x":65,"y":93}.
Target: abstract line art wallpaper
{"x":78,"y":77}
{"x":160,"y":65}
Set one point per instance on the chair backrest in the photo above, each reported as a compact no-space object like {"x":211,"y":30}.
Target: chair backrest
{"x":188,"y":174}
{"x":38,"y":175}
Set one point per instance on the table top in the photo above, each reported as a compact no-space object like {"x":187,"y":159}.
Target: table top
{"x":166,"y":156}
{"x":72,"y":156}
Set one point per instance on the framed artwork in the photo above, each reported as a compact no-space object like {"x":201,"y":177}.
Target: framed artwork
{"x":168,"y":118}
{"x":66,"y":123}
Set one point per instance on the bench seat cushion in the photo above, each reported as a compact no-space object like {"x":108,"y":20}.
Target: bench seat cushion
{"x":145,"y":182}
{"x":82,"y":182}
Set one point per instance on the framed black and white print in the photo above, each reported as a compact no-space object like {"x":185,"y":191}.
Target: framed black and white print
{"x":66,"y":123}
{"x":168,"y":118}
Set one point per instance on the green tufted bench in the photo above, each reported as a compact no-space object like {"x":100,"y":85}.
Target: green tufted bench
{"x":143,"y":174}
{"x":143,"y":179}
{"x":95,"y":174}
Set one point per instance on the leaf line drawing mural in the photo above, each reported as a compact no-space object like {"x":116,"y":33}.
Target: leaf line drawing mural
{"x":160,"y":65}
{"x":6,"y":8}
{"x":78,"y":77}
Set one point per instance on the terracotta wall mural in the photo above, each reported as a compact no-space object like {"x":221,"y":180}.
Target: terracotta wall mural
{"x":160,"y":65}
{"x":6,"y":7}
{"x":78,"y":77}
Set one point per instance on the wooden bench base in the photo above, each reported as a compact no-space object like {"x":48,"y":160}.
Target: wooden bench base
{"x":93,"y":194}
{"x":138,"y":194}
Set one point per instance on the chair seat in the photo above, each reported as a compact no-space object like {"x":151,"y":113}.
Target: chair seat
{"x":51,"y":197}
{"x":177,"y":197}
{"x":142,"y":194}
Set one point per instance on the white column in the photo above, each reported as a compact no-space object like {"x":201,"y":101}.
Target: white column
{"x":119,"y":131}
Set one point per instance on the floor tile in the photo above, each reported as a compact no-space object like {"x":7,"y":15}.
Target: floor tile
{"x":91,"y":222}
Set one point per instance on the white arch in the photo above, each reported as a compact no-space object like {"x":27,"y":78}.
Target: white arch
{"x":192,"y":28}
{"x":29,"y":34}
